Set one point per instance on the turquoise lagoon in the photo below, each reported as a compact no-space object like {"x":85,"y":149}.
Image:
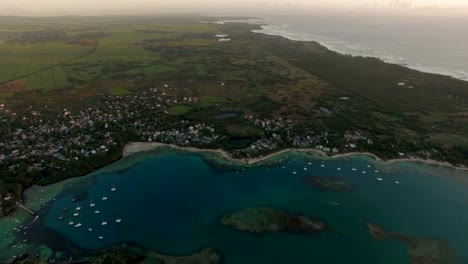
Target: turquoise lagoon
{"x":170,"y":202}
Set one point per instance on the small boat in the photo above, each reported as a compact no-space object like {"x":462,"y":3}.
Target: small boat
{"x":104,"y":223}
{"x":379,"y":179}
{"x":70,"y":223}
{"x":376,"y":171}
{"x":310,"y":163}
{"x":354,"y":169}
{"x":368,"y":166}
{"x":113,"y":189}
{"x":397,"y":182}
{"x":78,"y":225}
{"x":338,"y":169}
{"x":90,"y":229}
{"x":97,"y":212}
{"x":305,"y":169}
{"x":104,"y":198}
{"x":65,"y":209}
{"x":118,"y":220}
{"x":101,"y":237}
{"x":323,"y":165}
{"x":364,"y":172}
{"x":76,"y":214}
{"x":74,"y":200}
{"x":78,"y":208}
{"x":92,"y":204}
{"x":60,"y":218}
{"x":294,"y":173}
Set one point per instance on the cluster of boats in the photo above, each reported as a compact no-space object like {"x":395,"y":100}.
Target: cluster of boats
{"x":379,"y":179}
{"x":78,"y":208}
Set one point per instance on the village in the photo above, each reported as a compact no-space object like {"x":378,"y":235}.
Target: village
{"x":39,"y":149}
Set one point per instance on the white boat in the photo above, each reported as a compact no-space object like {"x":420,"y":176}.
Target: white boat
{"x":97,"y":212}
{"x":78,"y":208}
{"x":379,"y":179}
{"x":376,"y":171}
{"x":397,"y":182}
{"x":310,"y":163}
{"x":92,"y":204}
{"x":78,"y":225}
{"x":104,"y":198}
{"x":294,"y":173}
{"x":364,"y":172}
{"x":305,"y":169}
{"x":101,"y":237}
{"x":368,"y":166}
{"x":70,"y":223}
{"x":338,"y":169}
{"x":76,"y":214}
{"x":323,"y":165}
{"x":90,"y":229}
{"x":104,"y":223}
{"x":354,"y":169}
{"x":118,"y":220}
{"x":113,"y":189}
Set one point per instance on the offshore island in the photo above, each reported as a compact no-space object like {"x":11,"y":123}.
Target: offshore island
{"x":96,"y":85}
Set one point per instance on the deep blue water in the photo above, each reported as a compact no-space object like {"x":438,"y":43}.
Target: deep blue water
{"x":171,"y":202}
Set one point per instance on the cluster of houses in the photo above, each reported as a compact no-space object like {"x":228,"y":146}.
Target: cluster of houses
{"x":57,"y":142}
{"x":40,"y":141}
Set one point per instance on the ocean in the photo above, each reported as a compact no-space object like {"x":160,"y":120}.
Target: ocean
{"x":170,"y":201}
{"x":429,"y":43}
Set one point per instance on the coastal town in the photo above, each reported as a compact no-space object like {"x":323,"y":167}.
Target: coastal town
{"x":39,"y":148}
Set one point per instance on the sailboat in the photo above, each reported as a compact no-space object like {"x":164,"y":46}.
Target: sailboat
{"x":92,"y":204}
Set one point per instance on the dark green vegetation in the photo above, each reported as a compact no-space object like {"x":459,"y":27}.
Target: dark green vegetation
{"x":266,"y":220}
{"x":421,"y":250}
{"x":48,"y":65}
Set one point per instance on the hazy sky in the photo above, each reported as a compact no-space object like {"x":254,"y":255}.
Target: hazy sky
{"x":64,"y":7}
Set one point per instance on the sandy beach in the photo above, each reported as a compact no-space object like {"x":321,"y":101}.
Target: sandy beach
{"x":136,"y":147}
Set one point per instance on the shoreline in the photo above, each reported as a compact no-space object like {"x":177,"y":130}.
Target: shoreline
{"x":138,"y":147}
{"x":267,"y":28}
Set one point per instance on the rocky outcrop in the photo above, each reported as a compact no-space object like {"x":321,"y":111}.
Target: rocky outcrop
{"x":424,"y":250}
{"x":267,"y":220}
{"x":333,"y":184}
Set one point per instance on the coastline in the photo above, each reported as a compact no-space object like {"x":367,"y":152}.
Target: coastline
{"x":268,"y":28}
{"x":137,"y":147}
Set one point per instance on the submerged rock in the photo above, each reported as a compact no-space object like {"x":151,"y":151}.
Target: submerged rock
{"x":263,"y":220}
{"x":205,"y":256}
{"x":429,"y":250}
{"x":334,"y":184}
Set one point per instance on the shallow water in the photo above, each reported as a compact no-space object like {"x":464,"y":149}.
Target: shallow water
{"x":171,"y":202}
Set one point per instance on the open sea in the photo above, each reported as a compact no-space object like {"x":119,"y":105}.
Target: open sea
{"x":429,"y":43}
{"x":171,"y":202}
